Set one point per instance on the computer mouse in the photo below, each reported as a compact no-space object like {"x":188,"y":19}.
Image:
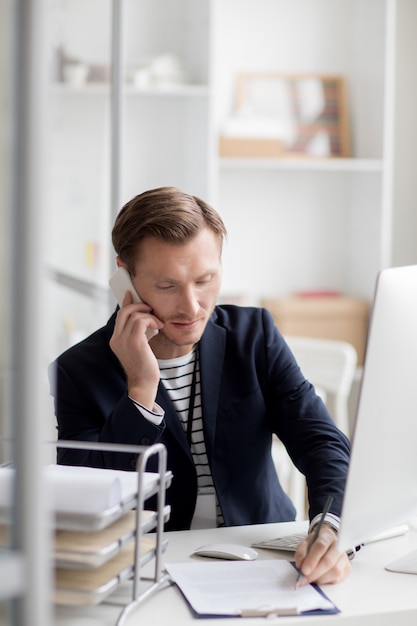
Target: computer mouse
{"x":229,"y":551}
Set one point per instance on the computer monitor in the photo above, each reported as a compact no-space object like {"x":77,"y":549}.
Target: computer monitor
{"x":381,"y":489}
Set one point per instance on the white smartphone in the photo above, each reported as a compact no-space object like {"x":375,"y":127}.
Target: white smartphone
{"x":120,"y":282}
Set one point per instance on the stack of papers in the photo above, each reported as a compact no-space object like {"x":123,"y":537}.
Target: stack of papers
{"x":247,"y":588}
{"x":85,"y":490}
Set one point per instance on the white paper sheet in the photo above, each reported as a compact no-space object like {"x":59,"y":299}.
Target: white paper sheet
{"x":75,"y":489}
{"x":233,"y":587}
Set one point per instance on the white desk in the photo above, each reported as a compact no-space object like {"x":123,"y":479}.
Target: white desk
{"x":371,"y":596}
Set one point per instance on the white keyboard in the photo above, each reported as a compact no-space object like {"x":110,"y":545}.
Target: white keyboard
{"x":288,"y":543}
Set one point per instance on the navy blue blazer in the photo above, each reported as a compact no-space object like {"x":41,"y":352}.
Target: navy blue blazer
{"x":251,"y":387}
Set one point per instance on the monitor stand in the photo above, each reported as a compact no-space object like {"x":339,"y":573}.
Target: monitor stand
{"x":405,"y":565}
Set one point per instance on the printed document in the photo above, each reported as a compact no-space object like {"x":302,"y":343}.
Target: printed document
{"x":246,"y":588}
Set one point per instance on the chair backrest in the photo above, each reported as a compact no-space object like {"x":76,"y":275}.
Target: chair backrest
{"x":329,"y":365}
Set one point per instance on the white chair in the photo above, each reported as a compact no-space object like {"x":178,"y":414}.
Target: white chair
{"x":292,"y":481}
{"x":330,"y":366}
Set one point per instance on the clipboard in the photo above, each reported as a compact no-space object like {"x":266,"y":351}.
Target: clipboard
{"x":262,"y":588}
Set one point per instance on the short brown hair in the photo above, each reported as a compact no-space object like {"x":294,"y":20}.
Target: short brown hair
{"x":165,"y":213}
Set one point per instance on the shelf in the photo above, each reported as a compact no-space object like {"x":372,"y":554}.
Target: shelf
{"x":326,"y":165}
{"x":103,"y":560}
{"x":92,"y":290}
{"x":85,"y":550}
{"x":186,"y":90}
{"x":163,"y":91}
{"x":99,"y":520}
{"x":82,"y":586}
{"x":88,"y":499}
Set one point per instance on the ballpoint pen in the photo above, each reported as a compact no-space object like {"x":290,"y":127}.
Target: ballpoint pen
{"x":316,"y":532}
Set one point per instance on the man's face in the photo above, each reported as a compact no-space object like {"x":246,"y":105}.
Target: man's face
{"x":181,"y":283}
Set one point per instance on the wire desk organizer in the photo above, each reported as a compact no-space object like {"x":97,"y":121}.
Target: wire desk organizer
{"x":144,"y":522}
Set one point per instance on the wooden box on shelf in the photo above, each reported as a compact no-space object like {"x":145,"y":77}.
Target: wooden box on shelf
{"x":324,"y":316}
{"x":251,"y":148}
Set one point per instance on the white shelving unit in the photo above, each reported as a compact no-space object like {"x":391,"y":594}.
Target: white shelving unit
{"x":294,"y":224}
{"x":319,"y":223}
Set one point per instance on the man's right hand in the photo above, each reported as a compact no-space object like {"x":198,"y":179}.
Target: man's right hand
{"x":131,"y":346}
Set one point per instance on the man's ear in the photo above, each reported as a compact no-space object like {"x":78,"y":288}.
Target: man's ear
{"x":120,"y":262}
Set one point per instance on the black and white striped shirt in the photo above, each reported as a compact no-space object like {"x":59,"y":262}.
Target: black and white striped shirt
{"x":177,"y":376}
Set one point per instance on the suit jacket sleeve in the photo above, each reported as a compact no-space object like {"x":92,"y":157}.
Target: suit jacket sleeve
{"x":91,"y":404}
{"x":262,"y":390}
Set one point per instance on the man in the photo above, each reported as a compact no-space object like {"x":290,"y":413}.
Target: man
{"x":213,"y":384}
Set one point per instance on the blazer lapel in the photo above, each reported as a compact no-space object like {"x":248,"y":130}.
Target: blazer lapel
{"x":212,"y":348}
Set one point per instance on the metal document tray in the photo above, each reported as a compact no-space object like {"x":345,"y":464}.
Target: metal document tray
{"x":90,"y":549}
{"x":81,"y":519}
{"x":98,"y":521}
{"x":83,"y":587}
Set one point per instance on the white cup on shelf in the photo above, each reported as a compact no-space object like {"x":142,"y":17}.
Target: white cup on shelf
{"x":75,"y":74}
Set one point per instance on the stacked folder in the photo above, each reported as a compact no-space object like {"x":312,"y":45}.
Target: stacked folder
{"x":95,"y":513}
